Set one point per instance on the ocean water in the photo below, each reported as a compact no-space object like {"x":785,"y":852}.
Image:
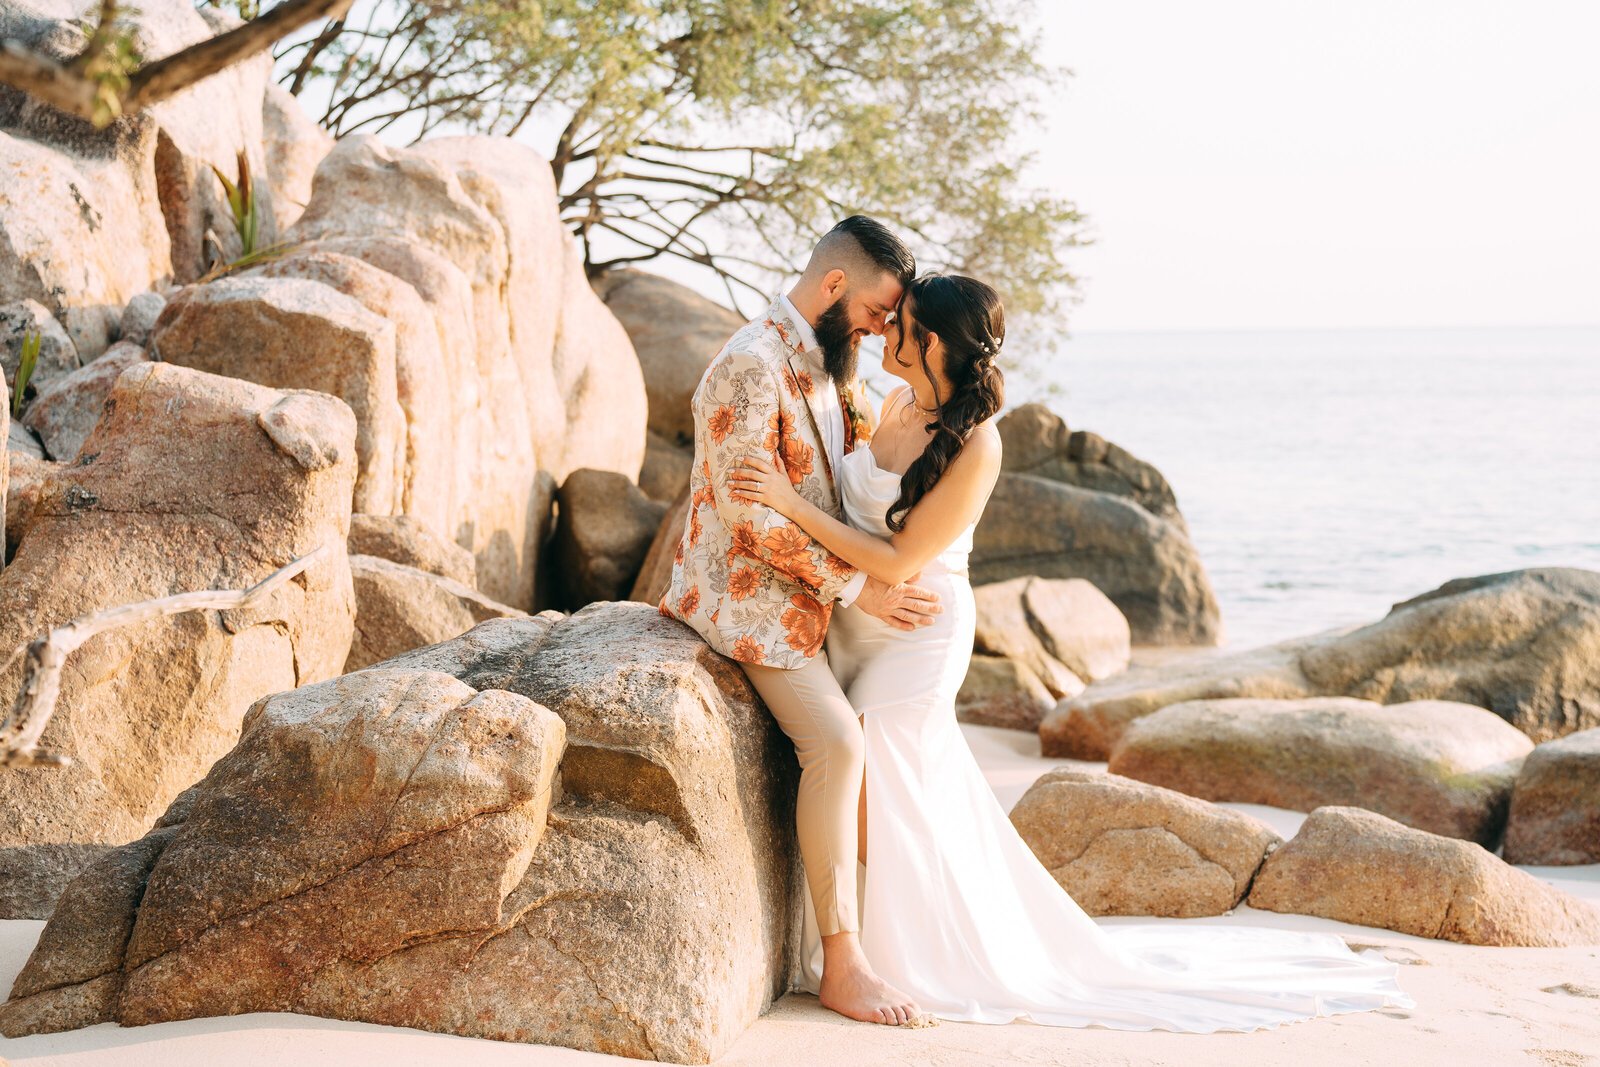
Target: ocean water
{"x":1326,"y":475}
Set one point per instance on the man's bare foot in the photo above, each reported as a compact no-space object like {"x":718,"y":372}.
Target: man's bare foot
{"x":851,"y":988}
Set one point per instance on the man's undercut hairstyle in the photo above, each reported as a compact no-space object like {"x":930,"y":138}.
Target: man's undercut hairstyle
{"x":863,"y":248}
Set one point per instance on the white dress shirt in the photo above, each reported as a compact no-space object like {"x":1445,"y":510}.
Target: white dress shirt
{"x":830,"y":420}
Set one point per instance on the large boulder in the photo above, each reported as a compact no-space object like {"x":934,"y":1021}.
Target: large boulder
{"x":655,"y":574}
{"x":425,"y":459}
{"x":405,"y":539}
{"x":665,"y":473}
{"x":294,"y":146}
{"x":1524,"y":644}
{"x":1120,"y":847}
{"x":1036,"y":441}
{"x":20,"y":440}
{"x":1555,"y":804}
{"x":26,"y":474}
{"x":139,"y":318}
{"x":602,"y":536}
{"x":399,"y":608}
{"x":1089,"y":725}
{"x":398,"y":846}
{"x":676,"y":333}
{"x":353,"y":817}
{"x":1359,"y":867}
{"x":197,"y":131}
{"x":57,"y":354}
{"x":998,"y":691}
{"x":1442,"y":767}
{"x":288,"y":333}
{"x":136,"y":202}
{"x":1145,"y":564}
{"x":537,"y":378}
{"x":5,"y":469}
{"x":1064,"y":631}
{"x":189,"y":482}
{"x":66,"y":409}
{"x":95,"y":203}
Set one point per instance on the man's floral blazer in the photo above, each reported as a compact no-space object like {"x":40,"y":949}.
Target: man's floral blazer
{"x":745,"y":578}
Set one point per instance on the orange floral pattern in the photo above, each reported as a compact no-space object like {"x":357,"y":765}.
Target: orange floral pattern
{"x":789,"y":551}
{"x":780,"y":429}
{"x":744,"y":542}
{"x":746,"y":579}
{"x":804,"y":625}
{"x":743,"y":583}
{"x":722,"y":422}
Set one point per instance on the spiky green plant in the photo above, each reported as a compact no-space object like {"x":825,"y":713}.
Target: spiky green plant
{"x":25,"y":365}
{"x":242,"y":202}
{"x":246,"y":220}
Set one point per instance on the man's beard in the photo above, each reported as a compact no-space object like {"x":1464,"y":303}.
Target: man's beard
{"x":838,"y":341}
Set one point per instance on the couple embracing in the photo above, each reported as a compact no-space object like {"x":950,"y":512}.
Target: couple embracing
{"x":826,"y":552}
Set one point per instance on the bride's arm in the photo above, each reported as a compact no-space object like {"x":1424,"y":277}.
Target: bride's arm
{"x":931,"y":526}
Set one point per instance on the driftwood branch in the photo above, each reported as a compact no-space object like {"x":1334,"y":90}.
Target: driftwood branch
{"x":66,"y":87}
{"x":46,"y":655}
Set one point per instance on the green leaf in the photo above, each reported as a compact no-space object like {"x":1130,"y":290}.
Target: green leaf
{"x":27,"y":361}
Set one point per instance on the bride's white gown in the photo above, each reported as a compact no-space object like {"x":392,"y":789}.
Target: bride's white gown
{"x":960,"y":915}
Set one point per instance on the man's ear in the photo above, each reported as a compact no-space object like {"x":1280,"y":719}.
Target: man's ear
{"x":833,"y":283}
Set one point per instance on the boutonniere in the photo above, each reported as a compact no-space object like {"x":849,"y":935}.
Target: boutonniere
{"x":857,"y":415}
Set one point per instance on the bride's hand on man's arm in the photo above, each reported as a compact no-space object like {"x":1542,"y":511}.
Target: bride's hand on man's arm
{"x":902,"y":605}
{"x":758,"y":481}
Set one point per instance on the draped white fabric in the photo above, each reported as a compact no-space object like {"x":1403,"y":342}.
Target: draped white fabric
{"x":959,"y":914}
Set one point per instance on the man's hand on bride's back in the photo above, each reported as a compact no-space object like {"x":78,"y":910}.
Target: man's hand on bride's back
{"x":904,"y":606}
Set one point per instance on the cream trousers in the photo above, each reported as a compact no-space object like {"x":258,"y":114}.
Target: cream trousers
{"x":813,"y":711}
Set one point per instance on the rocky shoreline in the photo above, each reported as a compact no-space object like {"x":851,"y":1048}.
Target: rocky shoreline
{"x":459,"y":774}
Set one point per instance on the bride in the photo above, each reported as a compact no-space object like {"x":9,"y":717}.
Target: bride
{"x":958,"y":912}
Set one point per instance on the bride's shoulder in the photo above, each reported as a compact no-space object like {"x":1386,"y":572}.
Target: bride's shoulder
{"x":988,"y":433}
{"x":983,"y":443}
{"x":890,"y":399}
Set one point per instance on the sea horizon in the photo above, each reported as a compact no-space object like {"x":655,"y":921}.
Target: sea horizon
{"x":1329,"y":473}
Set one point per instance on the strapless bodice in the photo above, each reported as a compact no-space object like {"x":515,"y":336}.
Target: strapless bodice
{"x":867,"y":490}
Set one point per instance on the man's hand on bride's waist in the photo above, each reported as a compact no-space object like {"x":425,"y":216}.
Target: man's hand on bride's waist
{"x":904,"y":606}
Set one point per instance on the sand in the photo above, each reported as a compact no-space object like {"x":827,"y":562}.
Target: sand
{"x":1475,"y":1006}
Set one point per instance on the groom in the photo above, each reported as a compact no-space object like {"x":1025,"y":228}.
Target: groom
{"x":758,"y":590}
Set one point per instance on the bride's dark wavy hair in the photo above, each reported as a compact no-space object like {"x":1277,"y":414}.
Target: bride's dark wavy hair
{"x":971,"y":323}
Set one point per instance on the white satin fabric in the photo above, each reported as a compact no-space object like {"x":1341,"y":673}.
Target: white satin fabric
{"x":959,"y":914}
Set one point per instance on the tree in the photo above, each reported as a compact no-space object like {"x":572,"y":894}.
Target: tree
{"x":730,"y":134}
{"x":108,"y":78}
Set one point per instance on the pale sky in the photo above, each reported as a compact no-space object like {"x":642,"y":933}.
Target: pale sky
{"x":1280,"y":164}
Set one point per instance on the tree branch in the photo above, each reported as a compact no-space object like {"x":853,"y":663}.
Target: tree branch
{"x":61,"y":87}
{"x":65,"y":88}
{"x":167,"y":77}
{"x":47,"y":655}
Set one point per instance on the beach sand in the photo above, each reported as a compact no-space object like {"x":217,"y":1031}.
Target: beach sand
{"x":1475,"y":1006}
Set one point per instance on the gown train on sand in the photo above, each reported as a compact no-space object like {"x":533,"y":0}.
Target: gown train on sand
{"x":958,"y":912}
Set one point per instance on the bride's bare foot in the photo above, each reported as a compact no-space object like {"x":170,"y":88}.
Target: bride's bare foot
{"x":851,"y":988}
